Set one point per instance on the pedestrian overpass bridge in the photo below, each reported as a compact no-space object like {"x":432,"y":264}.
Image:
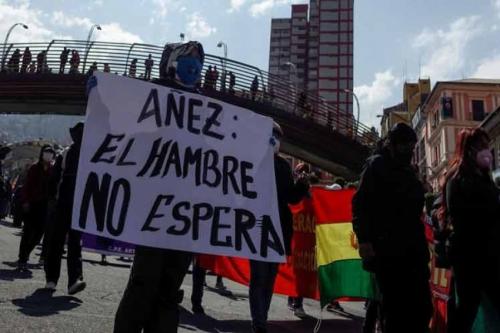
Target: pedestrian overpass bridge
{"x":315,"y":131}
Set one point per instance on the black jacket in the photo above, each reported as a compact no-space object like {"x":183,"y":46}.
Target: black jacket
{"x":473,"y":207}
{"x":387,"y":210}
{"x":289,"y":192}
{"x":67,"y":185}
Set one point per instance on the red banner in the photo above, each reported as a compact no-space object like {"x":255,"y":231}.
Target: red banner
{"x":298,"y":277}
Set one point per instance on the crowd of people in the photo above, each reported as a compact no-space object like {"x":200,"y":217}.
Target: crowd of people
{"x":388,"y":209}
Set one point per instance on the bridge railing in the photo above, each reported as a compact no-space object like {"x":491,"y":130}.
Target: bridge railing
{"x":270,"y":90}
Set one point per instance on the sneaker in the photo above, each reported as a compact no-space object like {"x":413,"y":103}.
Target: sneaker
{"x":334,"y":307}
{"x":22,"y":266}
{"x":299,"y":312}
{"x":50,"y":286}
{"x":256,"y":329}
{"x":76,"y":287}
{"x":197,"y":308}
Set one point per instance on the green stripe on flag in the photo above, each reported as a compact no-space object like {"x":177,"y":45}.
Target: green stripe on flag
{"x":345,"y":278}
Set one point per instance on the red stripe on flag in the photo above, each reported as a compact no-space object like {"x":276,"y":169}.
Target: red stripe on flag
{"x":332,"y":206}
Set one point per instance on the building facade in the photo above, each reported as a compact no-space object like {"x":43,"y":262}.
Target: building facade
{"x":318,"y":41}
{"x":414,"y":95}
{"x":451,"y":107}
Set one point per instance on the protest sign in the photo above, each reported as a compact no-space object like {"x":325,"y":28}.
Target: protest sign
{"x":166,"y":168}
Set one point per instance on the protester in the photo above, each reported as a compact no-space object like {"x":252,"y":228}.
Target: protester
{"x":148,"y":64}
{"x":150,"y":301}
{"x":93,"y":68}
{"x":263,"y":274}
{"x":254,"y":87}
{"x":26,"y":59}
{"x":34,"y":201}
{"x":62,"y":229}
{"x":215,"y":78}
{"x":387,"y":210}
{"x":472,"y":211}
{"x":107,"y":69}
{"x":63,"y":59}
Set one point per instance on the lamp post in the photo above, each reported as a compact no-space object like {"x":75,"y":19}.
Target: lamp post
{"x":357,"y":105}
{"x":94,"y":26}
{"x":222,"y":44}
{"x":7,"y":38}
{"x":296,"y":79}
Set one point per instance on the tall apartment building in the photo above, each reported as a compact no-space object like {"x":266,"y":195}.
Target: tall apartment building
{"x":318,"y":40}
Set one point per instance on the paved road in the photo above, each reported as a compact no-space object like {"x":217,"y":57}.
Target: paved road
{"x":26,"y":307}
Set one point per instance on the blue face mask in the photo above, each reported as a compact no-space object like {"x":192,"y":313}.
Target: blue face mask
{"x":188,"y":70}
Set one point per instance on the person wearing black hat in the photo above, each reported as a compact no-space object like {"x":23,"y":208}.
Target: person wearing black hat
{"x":151,"y":298}
{"x":34,"y":199}
{"x":66,"y":168}
{"x":387,"y":210}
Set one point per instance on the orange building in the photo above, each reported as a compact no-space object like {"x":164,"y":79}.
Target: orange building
{"x":450,"y":107}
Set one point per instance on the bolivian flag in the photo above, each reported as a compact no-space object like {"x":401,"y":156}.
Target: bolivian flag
{"x":340,"y":271}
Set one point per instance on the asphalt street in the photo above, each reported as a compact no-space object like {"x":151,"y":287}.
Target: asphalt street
{"x":26,"y":307}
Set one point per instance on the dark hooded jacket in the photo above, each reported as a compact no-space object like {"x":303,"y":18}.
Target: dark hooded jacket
{"x":70,"y":167}
{"x":36,"y":187}
{"x":387,"y":209}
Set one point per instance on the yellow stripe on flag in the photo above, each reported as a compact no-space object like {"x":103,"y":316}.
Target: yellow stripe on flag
{"x":336,"y":241}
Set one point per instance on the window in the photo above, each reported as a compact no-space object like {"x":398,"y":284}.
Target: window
{"x":477,"y":110}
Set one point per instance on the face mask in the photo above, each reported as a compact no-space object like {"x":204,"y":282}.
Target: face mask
{"x":188,"y":70}
{"x":484,"y":159}
{"x":47,"y":157}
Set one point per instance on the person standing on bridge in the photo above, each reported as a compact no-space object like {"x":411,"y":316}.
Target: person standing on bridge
{"x":74,"y":62}
{"x":14,"y":61}
{"x":254,"y":87}
{"x":40,"y":59}
{"x":232,"y":82}
{"x":63,"y":59}
{"x":132,"y":68}
{"x":263,"y":274}
{"x":26,"y":59}
{"x":34,"y":200}
{"x":150,"y":301}
{"x":148,"y":64}
{"x":107,"y":69}
{"x":387,"y":210}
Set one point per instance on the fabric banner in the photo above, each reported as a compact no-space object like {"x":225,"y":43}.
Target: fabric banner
{"x":335,"y":247}
{"x":296,"y":277}
{"x":111,"y":247}
{"x":170,"y":169}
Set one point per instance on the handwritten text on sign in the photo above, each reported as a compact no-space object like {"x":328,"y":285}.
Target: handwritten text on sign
{"x":166,"y":168}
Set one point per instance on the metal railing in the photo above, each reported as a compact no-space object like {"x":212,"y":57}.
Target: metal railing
{"x":272,"y":90}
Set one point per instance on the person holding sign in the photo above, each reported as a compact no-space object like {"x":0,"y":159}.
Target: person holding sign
{"x":150,"y":301}
{"x":263,"y":274}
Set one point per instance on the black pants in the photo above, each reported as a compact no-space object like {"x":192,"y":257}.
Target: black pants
{"x":403,"y":281}
{"x":34,"y":227}
{"x":150,"y":301}
{"x":373,"y":313}
{"x":57,"y":232}
{"x":199,"y":275}
{"x":473,"y":276}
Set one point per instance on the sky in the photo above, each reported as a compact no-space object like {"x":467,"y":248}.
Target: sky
{"x":394,"y":40}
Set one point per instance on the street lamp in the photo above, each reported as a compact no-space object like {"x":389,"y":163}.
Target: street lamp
{"x":357,"y":105}
{"x":94,"y":26}
{"x":4,"y":55}
{"x":296,"y":79}
{"x":222,"y":44}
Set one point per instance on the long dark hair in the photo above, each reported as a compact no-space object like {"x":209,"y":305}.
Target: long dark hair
{"x":464,"y":162}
